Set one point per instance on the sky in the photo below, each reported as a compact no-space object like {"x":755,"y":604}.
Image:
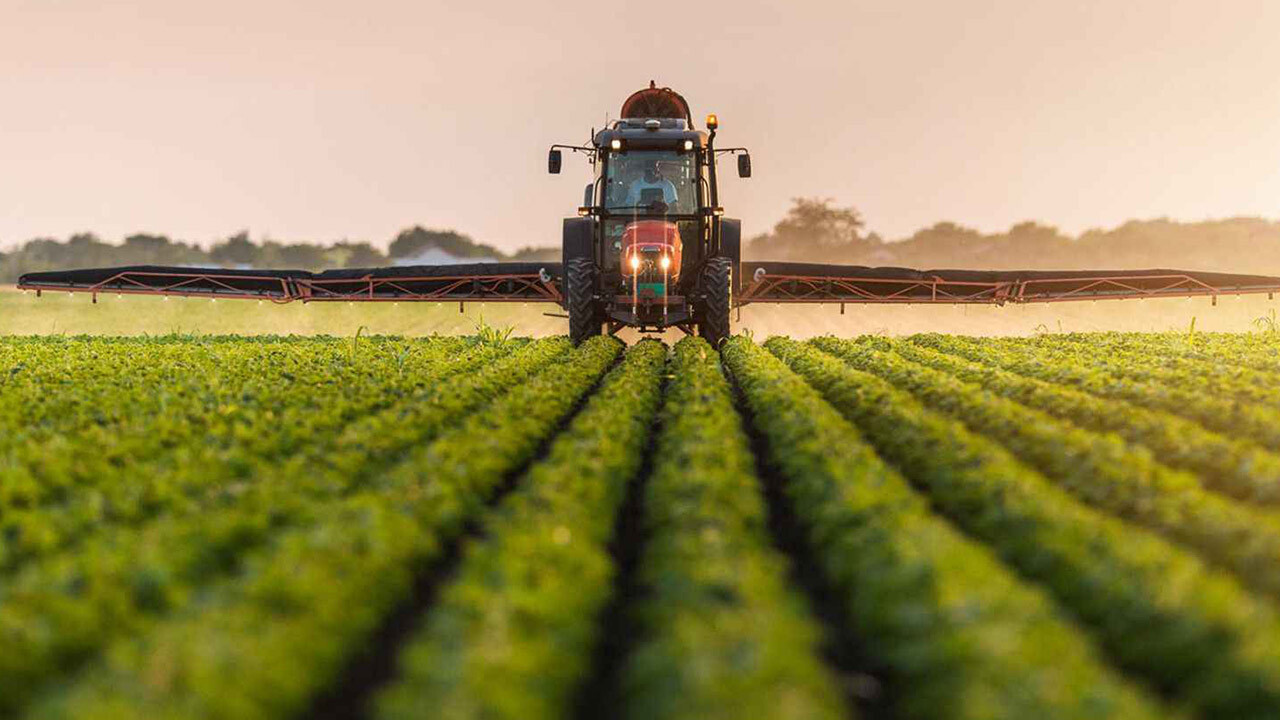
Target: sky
{"x":322,"y":120}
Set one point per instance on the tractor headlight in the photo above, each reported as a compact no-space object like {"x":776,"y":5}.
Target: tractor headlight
{"x":688,"y":144}
{"x":665,"y":262}
{"x":635,"y":263}
{"x":615,"y":144}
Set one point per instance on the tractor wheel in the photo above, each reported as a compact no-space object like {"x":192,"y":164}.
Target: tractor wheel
{"x":717,"y":288}
{"x":580,"y":287}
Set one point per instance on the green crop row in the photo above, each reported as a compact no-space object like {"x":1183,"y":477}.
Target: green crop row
{"x":325,"y":587}
{"x":1257,"y":351}
{"x":1234,"y":467}
{"x":1250,"y":421}
{"x":512,"y":636}
{"x":721,"y":634}
{"x":1226,"y":380}
{"x":1102,"y":470}
{"x":57,"y":611}
{"x":1192,"y":632}
{"x":958,"y":634}
{"x":1215,"y":352}
{"x":267,"y":435}
{"x":55,"y":387}
{"x":197,"y":474}
{"x":148,"y":407}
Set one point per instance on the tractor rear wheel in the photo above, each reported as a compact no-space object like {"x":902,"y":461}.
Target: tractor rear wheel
{"x":580,"y":288}
{"x":717,"y":289}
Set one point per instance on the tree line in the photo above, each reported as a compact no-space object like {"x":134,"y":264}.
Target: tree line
{"x":416,"y":245}
{"x":813,"y":230}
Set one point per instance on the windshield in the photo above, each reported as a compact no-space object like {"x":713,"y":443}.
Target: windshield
{"x":659,"y":182}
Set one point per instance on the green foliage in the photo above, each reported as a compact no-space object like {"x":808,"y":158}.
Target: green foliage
{"x":204,"y":523}
{"x":1101,"y":470}
{"x":959,"y":633}
{"x":1059,"y":526}
{"x":1192,"y":632}
{"x":1223,"y":463}
{"x":722,"y":634}
{"x":325,"y":585}
{"x":1087,"y":368}
{"x":512,"y":636}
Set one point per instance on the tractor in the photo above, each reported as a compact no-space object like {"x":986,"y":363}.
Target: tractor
{"x":650,"y":247}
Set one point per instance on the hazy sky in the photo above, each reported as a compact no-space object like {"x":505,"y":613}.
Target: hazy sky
{"x":322,"y":120}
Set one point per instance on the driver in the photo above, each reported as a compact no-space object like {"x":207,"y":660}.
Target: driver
{"x":651,"y":180}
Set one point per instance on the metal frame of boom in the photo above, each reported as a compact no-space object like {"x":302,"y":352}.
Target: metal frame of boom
{"x":541,"y":287}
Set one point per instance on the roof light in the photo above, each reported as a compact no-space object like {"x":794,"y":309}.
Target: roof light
{"x":688,"y":144}
{"x":615,"y":144}
{"x":713,"y":122}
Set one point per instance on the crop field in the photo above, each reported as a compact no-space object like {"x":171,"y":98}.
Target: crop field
{"x":936,"y":526}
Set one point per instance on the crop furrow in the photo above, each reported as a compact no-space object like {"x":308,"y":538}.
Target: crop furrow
{"x":958,"y":635}
{"x":721,"y":635}
{"x":1233,"y":419}
{"x":1256,"y":352}
{"x":188,"y":415}
{"x":196,"y":475}
{"x":327,"y":586}
{"x":1101,"y":470}
{"x":1193,"y":633}
{"x":1236,"y":468}
{"x":1149,"y":365}
{"x":129,"y":577}
{"x":512,"y":635}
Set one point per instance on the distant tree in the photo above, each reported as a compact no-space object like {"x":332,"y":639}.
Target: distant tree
{"x":302,"y":256}
{"x":814,"y":231}
{"x":145,"y":244}
{"x":361,"y":254}
{"x":235,"y":250}
{"x":417,"y":240}
{"x":147,"y":249}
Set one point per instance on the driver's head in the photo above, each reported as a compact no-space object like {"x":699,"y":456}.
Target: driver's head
{"x":651,"y":173}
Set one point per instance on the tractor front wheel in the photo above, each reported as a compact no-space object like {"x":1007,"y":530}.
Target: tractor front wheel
{"x":580,"y":289}
{"x":717,"y":289}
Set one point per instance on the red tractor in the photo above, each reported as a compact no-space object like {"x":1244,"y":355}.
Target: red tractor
{"x":651,"y":248}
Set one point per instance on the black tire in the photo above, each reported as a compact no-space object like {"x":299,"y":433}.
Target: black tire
{"x":717,"y":290}
{"x":580,"y":289}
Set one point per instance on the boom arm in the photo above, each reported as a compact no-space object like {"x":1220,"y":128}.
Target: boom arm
{"x":778,"y":282}
{"x":490,"y":282}
{"x":762,"y":282}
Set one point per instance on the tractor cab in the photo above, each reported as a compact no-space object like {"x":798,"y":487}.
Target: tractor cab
{"x":650,"y":226}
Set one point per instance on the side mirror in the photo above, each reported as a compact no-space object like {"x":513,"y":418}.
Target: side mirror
{"x":586,"y":194}
{"x":744,"y":165}
{"x":553,"y":162}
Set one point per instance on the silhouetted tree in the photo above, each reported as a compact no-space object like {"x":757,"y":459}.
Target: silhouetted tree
{"x":417,"y":240}
{"x":235,"y":250}
{"x":355,"y":255}
{"x":815,"y":231}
